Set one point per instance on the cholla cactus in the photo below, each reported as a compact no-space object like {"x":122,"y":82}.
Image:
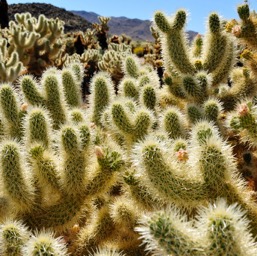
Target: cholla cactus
{"x":219,"y":230}
{"x":37,"y":41}
{"x":11,"y":66}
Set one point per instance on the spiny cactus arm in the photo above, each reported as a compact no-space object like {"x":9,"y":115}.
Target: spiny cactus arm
{"x":212,"y":109}
{"x":162,"y":177}
{"x":61,"y":215}
{"x":131,"y":66}
{"x":71,"y":89}
{"x":225,"y":66}
{"x":227,"y":228}
{"x":247,"y":29}
{"x":17,"y":180}
{"x":128,"y":88}
{"x":109,"y":161}
{"x":78,"y":71}
{"x":174,"y":123}
{"x":243,"y":86}
{"x":74,"y":161}
{"x":13,"y":236}
{"x":193,"y":88}
{"x":45,"y":242}
{"x":133,"y":129}
{"x":216,"y":44}
{"x":45,"y":168}
{"x":37,"y":126}
{"x":197,"y":46}
{"x":30,"y":90}
{"x":100,"y":98}
{"x":220,"y":229}
{"x":149,"y":97}
{"x":124,"y":213}
{"x":140,"y":193}
{"x":100,"y":229}
{"x":243,"y":120}
{"x":54,"y":98}
{"x":10,"y":111}
{"x":169,"y":233}
{"x":40,"y":26}
{"x":194,"y":113}
{"x":174,"y":43}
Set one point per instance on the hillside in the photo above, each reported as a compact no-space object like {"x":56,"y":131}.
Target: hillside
{"x":72,"y":21}
{"x":135,"y":28}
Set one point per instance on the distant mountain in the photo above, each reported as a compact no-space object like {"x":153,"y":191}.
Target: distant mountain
{"x":135,"y":28}
{"x":72,"y":21}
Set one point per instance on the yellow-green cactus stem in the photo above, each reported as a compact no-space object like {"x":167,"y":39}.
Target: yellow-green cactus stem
{"x":133,"y":127}
{"x":174,"y":123}
{"x":161,"y":176}
{"x":212,"y":109}
{"x":129,"y":88}
{"x":54,"y":98}
{"x":174,"y":41}
{"x":243,"y":11}
{"x":149,"y":97}
{"x":140,"y":193}
{"x":99,"y":230}
{"x":71,"y":88}
{"x":73,"y":163}
{"x":102,"y":91}
{"x":215,"y":49}
{"x":221,"y":73}
{"x":45,"y":168}
{"x":220,"y":229}
{"x":124,"y":213}
{"x":131,"y":67}
{"x":10,"y":111}
{"x":13,"y":236}
{"x":197,"y":46}
{"x":77,"y":115}
{"x":30,"y":90}
{"x":109,"y":161}
{"x":193,"y":88}
{"x":38,"y":127}
{"x":17,"y":181}
{"x":78,"y":70}
{"x":194,"y":113}
{"x":169,"y":233}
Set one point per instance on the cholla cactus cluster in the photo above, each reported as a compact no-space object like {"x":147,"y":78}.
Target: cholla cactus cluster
{"x":139,"y":167}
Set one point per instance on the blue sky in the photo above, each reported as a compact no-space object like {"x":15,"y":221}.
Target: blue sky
{"x":144,"y":9}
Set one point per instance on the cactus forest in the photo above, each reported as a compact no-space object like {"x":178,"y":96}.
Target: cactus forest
{"x":107,"y":153}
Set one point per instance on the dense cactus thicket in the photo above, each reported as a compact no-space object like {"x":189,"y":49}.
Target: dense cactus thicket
{"x":103,"y":154}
